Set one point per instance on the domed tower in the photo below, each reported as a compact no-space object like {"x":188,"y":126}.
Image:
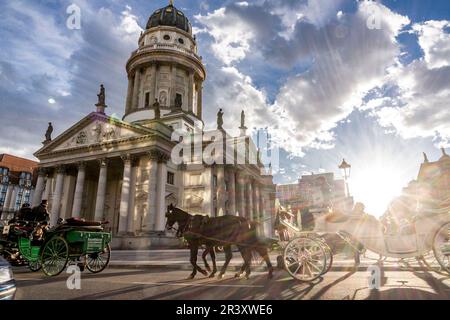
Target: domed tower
{"x":166,"y":69}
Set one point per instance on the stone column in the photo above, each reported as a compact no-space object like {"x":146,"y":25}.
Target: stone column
{"x":79,"y":189}
{"x":200,"y":100}
{"x":39,"y":190}
{"x":173,"y":86}
{"x":208,"y":206}
{"x":131,"y":207}
{"x":256,"y":202}
{"x":249,"y":198}
{"x":125,"y":194}
{"x":153,"y":93}
{"x":221,"y":192}
{"x":232,"y":191}
{"x":240,"y":188}
{"x":129,"y":102}
{"x":149,"y":223}
{"x":262,"y":208}
{"x":135,"y":103}
{"x":161,"y":194}
{"x":56,"y":205}
{"x":48,"y":188}
{"x":101,"y":191}
{"x":191,"y":90}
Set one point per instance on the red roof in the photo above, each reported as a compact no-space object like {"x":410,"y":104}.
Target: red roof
{"x":17,"y":164}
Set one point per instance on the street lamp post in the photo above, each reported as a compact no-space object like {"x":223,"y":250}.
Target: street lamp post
{"x":346,"y":169}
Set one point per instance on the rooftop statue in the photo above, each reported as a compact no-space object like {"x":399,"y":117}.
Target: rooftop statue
{"x":242,"y":119}
{"x":220,"y":119}
{"x":48,"y":134}
{"x":101,"y":96}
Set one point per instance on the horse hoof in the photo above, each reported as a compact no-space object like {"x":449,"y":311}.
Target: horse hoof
{"x":237,"y":275}
{"x":190,"y":277}
{"x":204,"y":273}
{"x":220,"y":276}
{"x":212,"y":275}
{"x":208,"y":269}
{"x":247,"y":277}
{"x":270,"y":276}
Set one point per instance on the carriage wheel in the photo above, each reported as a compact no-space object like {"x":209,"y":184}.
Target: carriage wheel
{"x":305,"y":259}
{"x":55,"y":256}
{"x":35,"y":266}
{"x":328,"y":256}
{"x":441,"y":247}
{"x":97,"y":262}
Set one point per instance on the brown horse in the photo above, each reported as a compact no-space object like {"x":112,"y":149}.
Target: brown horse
{"x":222,"y":231}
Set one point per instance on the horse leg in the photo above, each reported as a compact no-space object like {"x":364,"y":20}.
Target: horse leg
{"x":205,"y":253}
{"x":194,"y":252}
{"x":244,"y":266}
{"x":212,"y":253}
{"x":263,"y":252}
{"x":193,"y":259}
{"x":228,"y":256}
{"x":248,"y":258}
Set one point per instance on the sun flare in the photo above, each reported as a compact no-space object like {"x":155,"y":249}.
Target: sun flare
{"x":376,"y":186}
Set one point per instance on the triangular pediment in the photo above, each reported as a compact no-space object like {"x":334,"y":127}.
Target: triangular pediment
{"x":94,"y":129}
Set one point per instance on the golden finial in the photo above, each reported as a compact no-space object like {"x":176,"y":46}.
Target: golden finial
{"x":170,"y":2}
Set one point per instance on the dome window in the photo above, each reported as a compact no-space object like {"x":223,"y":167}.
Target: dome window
{"x":166,"y":37}
{"x":181,"y":41}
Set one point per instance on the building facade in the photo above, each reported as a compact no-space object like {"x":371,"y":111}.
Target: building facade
{"x":316,"y":192}
{"x":431,"y":190}
{"x":103,"y":168}
{"x":17,"y":179}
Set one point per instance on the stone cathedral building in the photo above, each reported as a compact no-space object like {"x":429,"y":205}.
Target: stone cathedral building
{"x":122,"y":171}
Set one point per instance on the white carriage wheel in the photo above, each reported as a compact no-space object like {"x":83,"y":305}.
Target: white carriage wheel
{"x":441,"y":247}
{"x":305,"y":259}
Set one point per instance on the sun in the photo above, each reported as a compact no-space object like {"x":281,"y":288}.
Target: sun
{"x":376,"y":185}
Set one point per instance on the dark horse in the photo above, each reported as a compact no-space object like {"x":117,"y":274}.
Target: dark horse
{"x":222,"y":231}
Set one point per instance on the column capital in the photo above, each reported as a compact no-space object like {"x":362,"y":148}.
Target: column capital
{"x":126,"y":157}
{"x":231,"y":168}
{"x":61,"y":169}
{"x":81,"y":165}
{"x":42,"y":171}
{"x":158,"y":155}
{"x":103,"y":162}
{"x":242,"y":176}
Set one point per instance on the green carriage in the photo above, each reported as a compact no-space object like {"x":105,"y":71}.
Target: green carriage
{"x":74,"y":240}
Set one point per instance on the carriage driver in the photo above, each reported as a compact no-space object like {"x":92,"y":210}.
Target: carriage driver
{"x":40,"y":213}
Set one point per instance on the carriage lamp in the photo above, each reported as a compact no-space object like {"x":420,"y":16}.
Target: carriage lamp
{"x":346,"y":169}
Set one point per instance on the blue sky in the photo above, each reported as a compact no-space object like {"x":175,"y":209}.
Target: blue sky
{"x":326,"y":84}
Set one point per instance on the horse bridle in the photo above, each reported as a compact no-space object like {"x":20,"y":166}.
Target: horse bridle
{"x":179,"y":232}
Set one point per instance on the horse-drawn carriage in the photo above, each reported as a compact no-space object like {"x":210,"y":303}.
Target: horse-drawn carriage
{"x":307,"y":256}
{"x":72,"y":240}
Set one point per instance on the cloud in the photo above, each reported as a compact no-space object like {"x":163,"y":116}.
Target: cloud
{"x":344,"y":60}
{"x":435,"y":42}
{"x":420,"y":107}
{"x":51,"y":73}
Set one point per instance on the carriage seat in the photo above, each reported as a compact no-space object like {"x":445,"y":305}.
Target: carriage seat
{"x":336,"y":217}
{"x":82,"y":223}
